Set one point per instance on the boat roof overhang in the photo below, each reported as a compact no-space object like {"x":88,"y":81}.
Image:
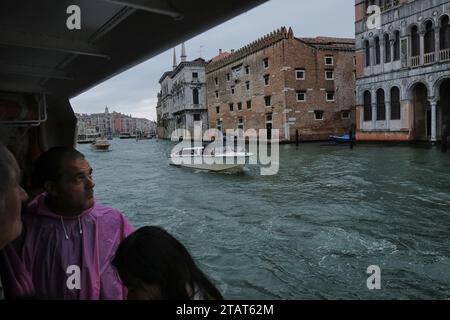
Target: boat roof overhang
{"x":39,"y":54}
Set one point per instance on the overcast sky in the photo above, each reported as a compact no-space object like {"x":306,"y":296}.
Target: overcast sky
{"x":134,"y":91}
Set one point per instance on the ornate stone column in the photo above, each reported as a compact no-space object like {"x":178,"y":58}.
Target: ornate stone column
{"x":433,"y":120}
{"x":437,"y":44}
{"x":387,"y":94}
{"x":422,"y":45}
{"x":392,"y":42}
{"x":374,"y":109}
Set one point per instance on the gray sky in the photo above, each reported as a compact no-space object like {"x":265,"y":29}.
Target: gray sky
{"x":134,"y":91}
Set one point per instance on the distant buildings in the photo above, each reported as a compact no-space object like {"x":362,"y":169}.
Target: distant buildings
{"x":403,"y":70}
{"x":182,"y":99}
{"x":286,"y":83}
{"x":114,"y":124}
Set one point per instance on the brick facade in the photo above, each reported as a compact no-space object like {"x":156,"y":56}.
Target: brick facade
{"x":268,"y":68}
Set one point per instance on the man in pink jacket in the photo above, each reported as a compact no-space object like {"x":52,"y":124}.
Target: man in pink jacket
{"x":69,"y":240}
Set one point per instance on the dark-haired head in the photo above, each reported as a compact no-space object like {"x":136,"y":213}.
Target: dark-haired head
{"x":153,"y":264}
{"x":66,"y":176}
{"x":50,"y":165}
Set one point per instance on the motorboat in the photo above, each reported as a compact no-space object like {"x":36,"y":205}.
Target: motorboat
{"x":100,"y":145}
{"x":210,"y":159}
{"x":341,"y":139}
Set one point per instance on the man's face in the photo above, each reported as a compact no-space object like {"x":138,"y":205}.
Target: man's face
{"x":75,"y":188}
{"x":10,"y":220}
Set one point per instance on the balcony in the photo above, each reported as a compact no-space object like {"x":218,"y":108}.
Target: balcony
{"x":429,"y":58}
{"x":444,"y":55}
{"x":415,"y":61}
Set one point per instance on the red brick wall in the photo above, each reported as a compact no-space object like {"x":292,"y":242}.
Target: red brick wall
{"x":284,"y":57}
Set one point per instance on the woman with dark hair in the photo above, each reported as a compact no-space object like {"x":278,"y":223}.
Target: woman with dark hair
{"x":153,"y":265}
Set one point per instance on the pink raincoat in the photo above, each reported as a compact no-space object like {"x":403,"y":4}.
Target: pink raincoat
{"x":68,"y":257}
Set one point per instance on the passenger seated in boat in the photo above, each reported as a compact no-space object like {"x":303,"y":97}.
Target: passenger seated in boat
{"x":154,"y":265}
{"x":11,"y":197}
{"x":69,"y":240}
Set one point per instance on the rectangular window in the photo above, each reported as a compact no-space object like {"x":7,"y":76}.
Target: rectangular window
{"x":247,"y":85}
{"x":345,"y":115}
{"x":329,"y":61}
{"x":301,"y":96}
{"x":197,"y":117}
{"x":217,"y":109}
{"x":219,"y":125}
{"x":241,"y":124}
{"x":266,"y":63}
{"x":268,"y":101}
{"x":330,"y":95}
{"x":195,"y":75}
{"x":239,"y":105}
{"x":318,"y":115}
{"x":247,"y":70}
{"x":228,"y":77}
{"x":266,"y":80}
{"x":231,"y":107}
{"x":216,"y":81}
{"x":329,"y":75}
{"x":217,"y":94}
{"x":249,"y":104}
{"x":300,"y":74}
{"x":233,"y":90}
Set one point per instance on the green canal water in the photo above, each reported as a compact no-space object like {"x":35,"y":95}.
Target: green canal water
{"x":309,"y":232}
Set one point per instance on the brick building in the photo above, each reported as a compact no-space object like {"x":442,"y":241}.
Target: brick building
{"x":403,"y":70}
{"x":285,"y":83}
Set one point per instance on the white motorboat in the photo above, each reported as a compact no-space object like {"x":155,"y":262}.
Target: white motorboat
{"x":210,"y":159}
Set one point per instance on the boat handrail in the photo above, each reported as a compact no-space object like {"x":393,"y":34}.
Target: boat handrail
{"x":42,"y":115}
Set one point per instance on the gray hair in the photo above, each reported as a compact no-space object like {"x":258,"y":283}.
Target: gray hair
{"x":7,"y":174}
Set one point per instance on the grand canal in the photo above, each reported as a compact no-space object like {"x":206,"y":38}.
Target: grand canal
{"x":309,"y":232}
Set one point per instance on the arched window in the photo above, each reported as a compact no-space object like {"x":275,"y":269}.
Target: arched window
{"x":429,"y":37}
{"x":367,"y":106}
{"x":397,"y":46}
{"x":395,"y":103}
{"x":415,"y":42}
{"x":377,"y":51}
{"x":381,"y":105}
{"x":444,"y":34}
{"x":195,"y":96}
{"x":367,"y":48}
{"x":387,"y":49}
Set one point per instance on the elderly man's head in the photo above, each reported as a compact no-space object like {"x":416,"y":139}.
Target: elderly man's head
{"x":66,"y":176}
{"x":11,"y":197}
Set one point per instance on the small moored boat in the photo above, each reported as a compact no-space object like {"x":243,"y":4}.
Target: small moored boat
{"x":340,"y":139}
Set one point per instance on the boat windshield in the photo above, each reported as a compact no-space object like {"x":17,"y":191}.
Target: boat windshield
{"x":191,"y":152}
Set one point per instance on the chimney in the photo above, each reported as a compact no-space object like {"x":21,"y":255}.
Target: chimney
{"x":183,"y":53}
{"x":174,"y":59}
{"x":232,"y":50}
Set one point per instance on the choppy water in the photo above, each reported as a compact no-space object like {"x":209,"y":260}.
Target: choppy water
{"x":309,"y":232}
